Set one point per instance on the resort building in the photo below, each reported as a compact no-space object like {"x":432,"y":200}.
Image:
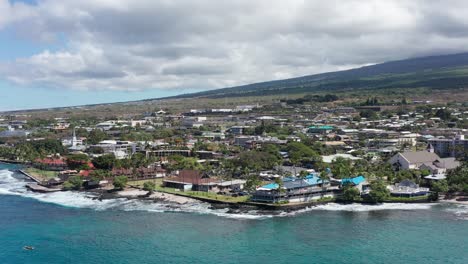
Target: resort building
{"x":295,"y":190}
{"x":450,"y":147}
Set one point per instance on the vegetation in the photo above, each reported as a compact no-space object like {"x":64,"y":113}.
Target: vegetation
{"x":379,"y":192}
{"x":350,"y":194}
{"x":120,"y":182}
{"x":73,"y":183}
{"x":458,"y":179}
{"x":149,"y":186}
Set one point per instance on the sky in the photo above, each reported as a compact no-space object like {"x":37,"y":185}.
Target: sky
{"x":67,"y":52}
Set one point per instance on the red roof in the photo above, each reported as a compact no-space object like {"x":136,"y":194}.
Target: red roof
{"x":51,"y":161}
{"x":85,"y":173}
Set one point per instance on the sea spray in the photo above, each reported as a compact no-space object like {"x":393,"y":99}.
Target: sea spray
{"x":14,"y":184}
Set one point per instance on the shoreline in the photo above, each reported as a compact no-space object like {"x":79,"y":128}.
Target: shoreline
{"x":134,"y":192}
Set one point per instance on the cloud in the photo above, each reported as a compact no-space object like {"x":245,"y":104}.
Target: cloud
{"x":135,"y":45}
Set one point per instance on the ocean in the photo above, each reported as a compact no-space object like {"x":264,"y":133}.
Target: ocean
{"x":69,"y":227}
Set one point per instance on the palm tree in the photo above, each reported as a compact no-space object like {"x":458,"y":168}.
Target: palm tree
{"x":324,"y":176}
{"x":280,"y":184}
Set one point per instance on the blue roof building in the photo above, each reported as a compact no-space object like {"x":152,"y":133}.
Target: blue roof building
{"x":295,"y":190}
{"x":353,"y":181}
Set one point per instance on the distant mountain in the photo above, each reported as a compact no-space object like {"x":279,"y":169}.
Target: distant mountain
{"x":438,"y":72}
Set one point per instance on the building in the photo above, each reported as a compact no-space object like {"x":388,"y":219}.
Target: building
{"x":357,"y":182}
{"x":295,"y":190}
{"x":407,"y":188}
{"x":74,"y":143}
{"x":238,"y":130}
{"x":331,"y":158}
{"x":121,"y":149}
{"x":416,"y":160}
{"x":450,"y":147}
{"x":322,"y":130}
{"x":54,"y":164}
{"x":198,"y":181}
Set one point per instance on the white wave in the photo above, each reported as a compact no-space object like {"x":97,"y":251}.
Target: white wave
{"x":356,"y":207}
{"x":459,"y":210}
{"x":10,"y":185}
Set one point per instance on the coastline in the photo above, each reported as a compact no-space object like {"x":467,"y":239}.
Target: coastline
{"x":135,"y":192}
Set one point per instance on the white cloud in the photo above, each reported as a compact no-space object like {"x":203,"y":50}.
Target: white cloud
{"x":132,"y":45}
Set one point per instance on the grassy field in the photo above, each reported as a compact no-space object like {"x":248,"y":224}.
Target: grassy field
{"x":193,"y":194}
{"x":408,"y":199}
{"x":43,"y":175}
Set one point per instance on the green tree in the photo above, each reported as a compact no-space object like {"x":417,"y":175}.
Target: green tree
{"x":369,"y":114}
{"x":252,"y":182}
{"x":350,"y":193}
{"x":149,"y":186}
{"x":440,"y":186}
{"x":77,"y":161}
{"x":96,"y":136}
{"x":120,"y":182}
{"x":457,"y":179}
{"x":73,"y":183}
{"x":105,"y":162}
{"x":379,"y":192}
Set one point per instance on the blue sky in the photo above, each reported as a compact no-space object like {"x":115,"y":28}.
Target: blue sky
{"x":61,"y":53}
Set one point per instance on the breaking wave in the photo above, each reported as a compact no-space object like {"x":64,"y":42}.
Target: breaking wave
{"x":369,"y":207}
{"x":14,"y":184}
{"x":11,"y":184}
{"x":459,"y":210}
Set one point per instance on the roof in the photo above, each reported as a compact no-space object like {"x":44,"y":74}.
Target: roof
{"x":448,"y":163}
{"x":354,"y":181}
{"x":419,"y":156}
{"x":435,"y":177}
{"x":51,"y":161}
{"x":192,"y":177}
{"x":292,"y":183}
{"x":407,"y":183}
{"x":312,"y":179}
{"x":330,"y":158}
{"x":322,"y":127}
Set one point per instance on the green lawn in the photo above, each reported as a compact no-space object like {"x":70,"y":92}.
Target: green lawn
{"x":43,"y":175}
{"x":407,"y":199}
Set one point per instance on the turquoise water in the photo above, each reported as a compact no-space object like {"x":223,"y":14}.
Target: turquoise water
{"x":133,"y":232}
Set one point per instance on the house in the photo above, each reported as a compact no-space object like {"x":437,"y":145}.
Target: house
{"x":320,"y":129}
{"x":416,"y":160}
{"x":190,"y":180}
{"x":238,"y":130}
{"x":140,"y":173}
{"x":407,"y":188}
{"x":331,"y":158}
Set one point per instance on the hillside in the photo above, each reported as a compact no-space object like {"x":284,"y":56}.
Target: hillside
{"x":436,"y":72}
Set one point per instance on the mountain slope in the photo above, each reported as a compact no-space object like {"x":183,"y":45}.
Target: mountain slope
{"x":438,"y":72}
